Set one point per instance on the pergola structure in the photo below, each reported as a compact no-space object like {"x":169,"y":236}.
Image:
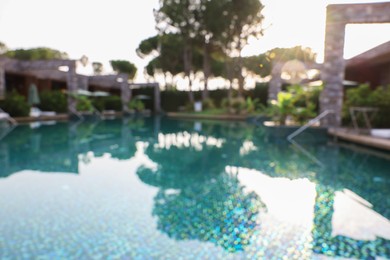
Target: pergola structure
{"x":40,"y":68}
{"x":157,"y":94}
{"x":333,"y":69}
{"x":49,"y":69}
{"x":338,"y":16}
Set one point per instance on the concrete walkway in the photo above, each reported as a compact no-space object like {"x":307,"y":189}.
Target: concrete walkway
{"x":367,"y":140}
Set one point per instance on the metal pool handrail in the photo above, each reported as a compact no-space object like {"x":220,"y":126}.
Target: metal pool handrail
{"x":308,"y":124}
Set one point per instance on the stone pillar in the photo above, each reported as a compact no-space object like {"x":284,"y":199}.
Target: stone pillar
{"x":332,"y":73}
{"x":72,"y":83}
{"x":125,"y":91}
{"x":157,"y":99}
{"x":275,"y":84}
{"x":82,"y":82}
{"x":2,"y":83}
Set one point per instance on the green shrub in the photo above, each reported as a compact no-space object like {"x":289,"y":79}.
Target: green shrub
{"x":280,"y":109}
{"x":305,"y":101}
{"x":251,"y":105}
{"x":107,"y":103}
{"x":147,"y":97}
{"x":363,"y":96}
{"x":236,"y":105}
{"x":260,"y":92}
{"x":99,"y":103}
{"x":189,"y":107}
{"x":137,"y":105}
{"x":218,"y":95}
{"x":225,"y":104}
{"x":172,"y":100}
{"x":53,"y":101}
{"x":84,"y":104}
{"x":15,"y":104}
{"x":112,"y":103}
{"x":297,"y":102}
{"x":208,"y":103}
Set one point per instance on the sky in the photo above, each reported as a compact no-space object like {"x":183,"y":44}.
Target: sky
{"x":104,"y":30}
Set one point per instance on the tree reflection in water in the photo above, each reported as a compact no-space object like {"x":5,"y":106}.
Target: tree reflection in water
{"x":198,"y":199}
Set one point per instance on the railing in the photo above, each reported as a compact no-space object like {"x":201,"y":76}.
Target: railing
{"x":308,"y":124}
{"x":303,"y":128}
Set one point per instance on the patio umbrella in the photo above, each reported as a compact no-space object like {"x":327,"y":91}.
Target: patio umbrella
{"x":83,"y":92}
{"x":320,"y":82}
{"x":100,"y":94}
{"x":142,"y":97}
{"x":33,"y":97}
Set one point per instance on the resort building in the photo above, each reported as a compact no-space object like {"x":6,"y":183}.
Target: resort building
{"x":372,"y":66}
{"x":62,"y":75}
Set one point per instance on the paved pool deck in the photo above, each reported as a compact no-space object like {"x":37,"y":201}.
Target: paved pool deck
{"x":354,"y":137}
{"x":207,"y":117}
{"x":346,"y":134}
{"x":29,"y":119}
{"x":60,"y":117}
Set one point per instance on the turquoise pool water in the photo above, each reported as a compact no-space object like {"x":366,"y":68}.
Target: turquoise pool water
{"x":154,"y":188}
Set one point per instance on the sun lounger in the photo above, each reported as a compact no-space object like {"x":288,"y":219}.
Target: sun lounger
{"x":36,"y":112}
{"x":4,"y":116}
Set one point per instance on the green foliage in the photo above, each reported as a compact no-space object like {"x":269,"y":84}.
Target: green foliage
{"x":108,"y":103}
{"x":137,"y":105}
{"x":363,"y":96}
{"x":124,"y":66}
{"x":304,"y":54}
{"x":217,"y":96}
{"x":147,"y":46}
{"x":241,"y":20}
{"x":298,"y":103}
{"x":262,"y":64}
{"x":260,"y":92}
{"x":189,"y":107}
{"x":36,"y":54}
{"x":172,"y":100}
{"x":207,"y":104}
{"x":53,"y":101}
{"x":205,"y":38}
{"x":15,"y":104}
{"x":84,"y":104}
{"x":146,"y":95}
{"x":112,"y":103}
{"x":280,"y":109}
{"x":250,"y":105}
{"x":234,"y":105}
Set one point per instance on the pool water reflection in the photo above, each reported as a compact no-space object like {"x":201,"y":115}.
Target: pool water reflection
{"x":159,"y":188}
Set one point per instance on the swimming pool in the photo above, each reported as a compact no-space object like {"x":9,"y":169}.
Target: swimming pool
{"x":155,"y":188}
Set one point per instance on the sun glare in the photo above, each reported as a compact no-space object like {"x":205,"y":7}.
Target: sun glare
{"x":362,"y":37}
